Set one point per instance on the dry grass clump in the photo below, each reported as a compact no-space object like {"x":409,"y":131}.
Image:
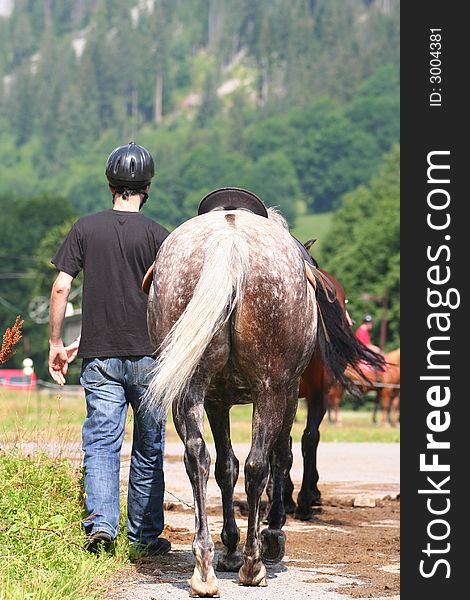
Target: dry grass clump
{"x":11,"y":337}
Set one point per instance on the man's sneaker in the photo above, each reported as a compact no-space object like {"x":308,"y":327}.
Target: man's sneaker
{"x":158,"y":548}
{"x":100,"y":540}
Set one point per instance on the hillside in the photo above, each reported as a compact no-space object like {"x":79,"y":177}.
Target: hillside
{"x":296,"y":100}
{"x":223,"y":93}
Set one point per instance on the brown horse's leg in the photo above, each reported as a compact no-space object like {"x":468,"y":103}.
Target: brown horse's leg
{"x":189,"y":422}
{"x":226,"y":475}
{"x":386,"y":396}
{"x":334,"y":400}
{"x":377,"y":402}
{"x":395,"y":409}
{"x":309,"y":494}
{"x":267,"y":422}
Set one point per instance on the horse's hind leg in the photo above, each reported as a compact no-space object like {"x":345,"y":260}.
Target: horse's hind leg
{"x":289,"y":503}
{"x":377,"y":402}
{"x":189,"y":422}
{"x":386,"y":405}
{"x":267,"y":422}
{"x":334,"y":400}
{"x":273,"y":537}
{"x":395,"y":409}
{"x":226,"y":475}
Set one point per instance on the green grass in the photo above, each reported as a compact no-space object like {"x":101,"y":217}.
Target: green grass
{"x":29,"y":417}
{"x":316,"y":227}
{"x":355,"y":426}
{"x":41,"y":539}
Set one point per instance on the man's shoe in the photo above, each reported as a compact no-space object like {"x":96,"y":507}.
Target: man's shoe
{"x":158,"y":548}
{"x":100,"y":540}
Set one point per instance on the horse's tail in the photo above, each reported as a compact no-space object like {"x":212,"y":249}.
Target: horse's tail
{"x":345,"y":357}
{"x":215,"y":296}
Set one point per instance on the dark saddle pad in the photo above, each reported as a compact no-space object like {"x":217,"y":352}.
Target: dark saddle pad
{"x":231,"y":198}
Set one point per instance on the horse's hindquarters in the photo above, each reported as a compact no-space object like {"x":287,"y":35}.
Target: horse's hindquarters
{"x":231,"y":290}
{"x":274,"y":327}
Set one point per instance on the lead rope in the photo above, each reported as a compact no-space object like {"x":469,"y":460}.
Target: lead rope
{"x":323,"y":278}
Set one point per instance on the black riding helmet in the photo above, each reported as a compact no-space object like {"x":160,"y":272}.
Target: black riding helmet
{"x":130,"y":168}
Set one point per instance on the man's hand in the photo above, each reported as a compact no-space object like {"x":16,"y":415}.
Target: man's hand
{"x":58,"y":363}
{"x":58,"y":356}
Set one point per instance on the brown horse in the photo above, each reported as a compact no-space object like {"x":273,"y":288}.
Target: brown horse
{"x":386,"y":385}
{"x":390,"y":396}
{"x":335,"y":393}
{"x":316,"y":386}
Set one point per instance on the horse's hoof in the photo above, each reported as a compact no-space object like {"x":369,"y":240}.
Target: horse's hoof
{"x":203,"y":589}
{"x":274,"y":545}
{"x":230,"y":562}
{"x":316,"y":499}
{"x":290,"y":507}
{"x":303,"y":513}
{"x":252,"y":574}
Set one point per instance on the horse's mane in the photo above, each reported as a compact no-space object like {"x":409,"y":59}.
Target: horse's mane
{"x":275,"y":215}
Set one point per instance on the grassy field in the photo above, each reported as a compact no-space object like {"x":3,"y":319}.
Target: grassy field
{"x":316,"y":227}
{"x":41,"y":539}
{"x":59,"y":417}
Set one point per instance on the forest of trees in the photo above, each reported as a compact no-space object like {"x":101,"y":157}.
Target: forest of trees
{"x":297,"y":100}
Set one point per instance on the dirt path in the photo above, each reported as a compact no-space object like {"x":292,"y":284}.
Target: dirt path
{"x":346,"y":552}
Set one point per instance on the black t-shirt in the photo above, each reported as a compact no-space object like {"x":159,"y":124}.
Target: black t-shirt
{"x":114,"y":249}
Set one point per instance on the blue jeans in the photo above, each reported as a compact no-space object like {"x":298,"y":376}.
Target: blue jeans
{"x":111,"y":384}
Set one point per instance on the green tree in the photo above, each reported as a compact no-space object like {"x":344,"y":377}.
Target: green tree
{"x":60,"y":114}
{"x":375,"y":107}
{"x":22,"y":38}
{"x":334,"y":161}
{"x":363,"y":245}
{"x":275,"y":182}
{"x":20,"y":105}
{"x":25,"y":222}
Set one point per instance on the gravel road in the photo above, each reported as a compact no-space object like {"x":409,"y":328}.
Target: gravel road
{"x":362,"y":472}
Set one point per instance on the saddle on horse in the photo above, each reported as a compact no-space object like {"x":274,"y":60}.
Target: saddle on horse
{"x":232,"y":198}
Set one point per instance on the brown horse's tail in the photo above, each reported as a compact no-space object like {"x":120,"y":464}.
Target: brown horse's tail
{"x":343,"y":354}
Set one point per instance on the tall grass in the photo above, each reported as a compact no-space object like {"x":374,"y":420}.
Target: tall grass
{"x":41,"y":539}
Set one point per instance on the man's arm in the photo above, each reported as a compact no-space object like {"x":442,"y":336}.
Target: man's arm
{"x":58,"y":356}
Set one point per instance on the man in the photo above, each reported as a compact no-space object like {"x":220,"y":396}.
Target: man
{"x":114,"y":248}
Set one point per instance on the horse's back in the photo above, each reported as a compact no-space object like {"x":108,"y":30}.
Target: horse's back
{"x":393,"y":357}
{"x":392,"y":374}
{"x":275,"y":316}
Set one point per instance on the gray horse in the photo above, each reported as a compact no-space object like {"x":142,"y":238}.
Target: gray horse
{"x":235,"y":321}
